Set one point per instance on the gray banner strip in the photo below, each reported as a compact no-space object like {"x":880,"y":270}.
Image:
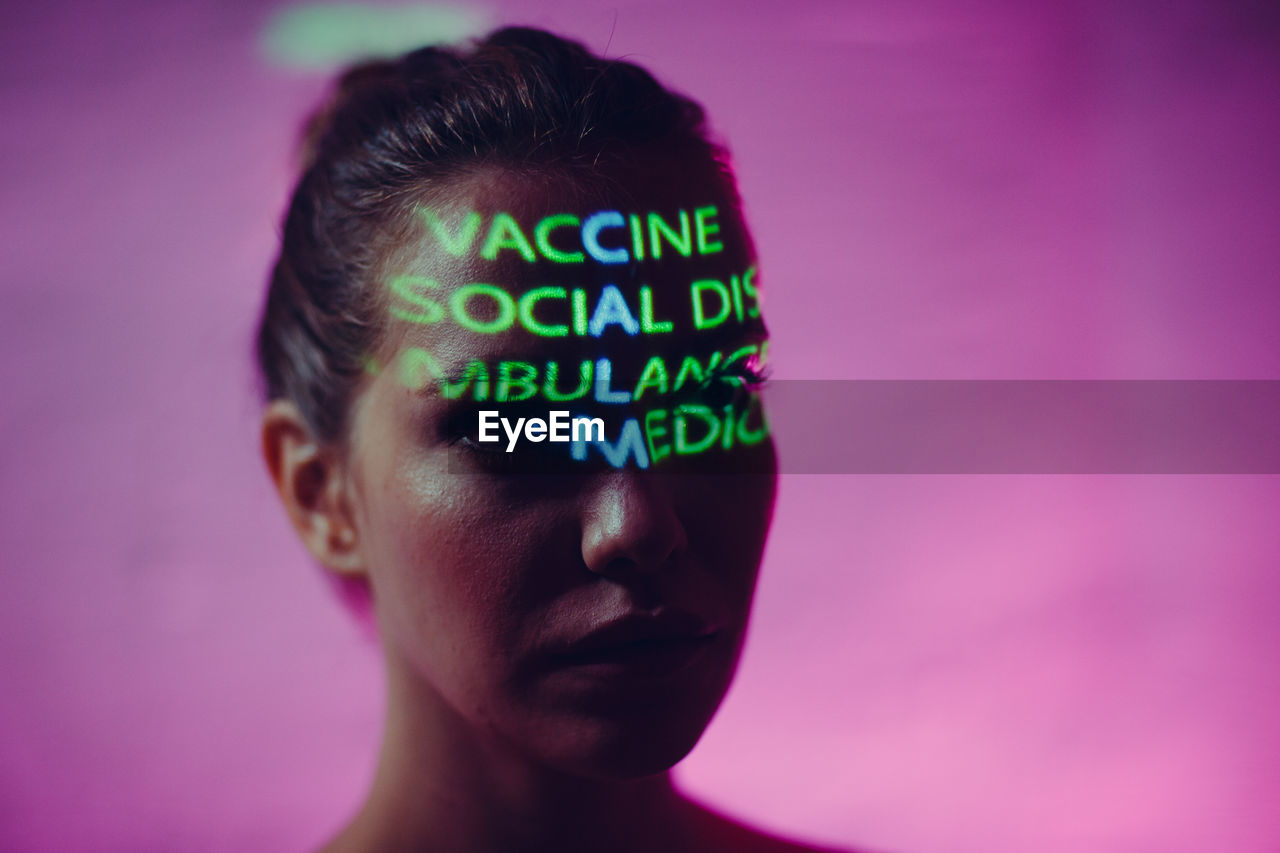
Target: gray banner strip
{"x":1026,"y":427}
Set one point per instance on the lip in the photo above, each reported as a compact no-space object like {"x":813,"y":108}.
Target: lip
{"x":637,"y":644}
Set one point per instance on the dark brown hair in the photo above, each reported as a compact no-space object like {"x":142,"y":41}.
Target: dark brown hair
{"x":397,"y":131}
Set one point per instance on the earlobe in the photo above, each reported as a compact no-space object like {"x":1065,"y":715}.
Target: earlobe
{"x":311,"y":481}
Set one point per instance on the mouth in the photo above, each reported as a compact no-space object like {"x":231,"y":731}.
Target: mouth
{"x":638,"y":646}
{"x":640,"y":657}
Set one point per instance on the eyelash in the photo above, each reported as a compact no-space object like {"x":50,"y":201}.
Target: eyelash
{"x":749,"y":374}
{"x":490,"y":457}
{"x":730,"y":384}
{"x":458,"y":430}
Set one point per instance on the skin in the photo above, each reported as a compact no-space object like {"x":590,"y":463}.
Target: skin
{"x":476,"y":573}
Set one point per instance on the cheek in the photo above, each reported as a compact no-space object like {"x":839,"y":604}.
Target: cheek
{"x":729,"y":520}
{"x":449,"y":557}
{"x":441,"y":591}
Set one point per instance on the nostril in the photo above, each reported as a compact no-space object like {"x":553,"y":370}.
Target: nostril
{"x":648,"y":554}
{"x":631,"y":526}
{"x":641,"y":561}
{"x":619,"y":566}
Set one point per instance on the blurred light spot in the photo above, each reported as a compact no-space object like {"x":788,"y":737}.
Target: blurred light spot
{"x":323,"y":36}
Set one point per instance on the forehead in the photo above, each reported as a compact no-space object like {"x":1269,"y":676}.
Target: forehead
{"x":508,"y":265}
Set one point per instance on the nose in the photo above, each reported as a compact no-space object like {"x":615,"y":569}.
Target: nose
{"x":630,"y":525}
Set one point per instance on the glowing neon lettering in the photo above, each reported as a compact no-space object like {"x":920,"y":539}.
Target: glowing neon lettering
{"x":582,"y":305}
{"x":591,"y":229}
{"x":741,"y":352}
{"x":504,"y":233}
{"x":726,"y":434}
{"x":514,"y":381}
{"x":736,"y":289}
{"x":749,"y":287}
{"x":654,"y":375}
{"x":691,"y":368}
{"x":525,"y":311}
{"x":685,"y":447}
{"x":658,"y":227}
{"x":647,"y":324}
{"x":610,"y":309}
{"x":490,"y":309}
{"x":417,"y":369}
{"x":552,"y":393}
{"x":456,"y":244}
{"x":506,"y":308}
{"x":525,"y":384}
{"x":700,"y":318}
{"x":703,"y":227}
{"x":475,"y":371}
{"x":750,"y":437}
{"x":687,"y":235}
{"x":542,"y":237}
{"x":654,"y":431}
{"x":579,"y":311}
{"x":637,"y":237}
{"x":630,"y":443}
{"x":604,"y":375}
{"x":408,"y":288}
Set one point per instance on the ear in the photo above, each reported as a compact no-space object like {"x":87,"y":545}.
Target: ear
{"x":314,"y":485}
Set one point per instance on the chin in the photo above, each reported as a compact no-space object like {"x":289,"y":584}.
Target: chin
{"x":616,"y":751}
{"x":628,"y":730}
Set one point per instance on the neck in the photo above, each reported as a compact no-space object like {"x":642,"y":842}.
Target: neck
{"x":442,"y":784}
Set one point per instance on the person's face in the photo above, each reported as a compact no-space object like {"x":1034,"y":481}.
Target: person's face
{"x":590,"y":618}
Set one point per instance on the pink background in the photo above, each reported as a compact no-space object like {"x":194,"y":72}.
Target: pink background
{"x":984,"y":189}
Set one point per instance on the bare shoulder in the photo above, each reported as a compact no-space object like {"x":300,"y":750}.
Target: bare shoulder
{"x":721,"y":832}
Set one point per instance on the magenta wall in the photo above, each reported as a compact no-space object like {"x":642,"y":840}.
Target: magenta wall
{"x":959,"y":190}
